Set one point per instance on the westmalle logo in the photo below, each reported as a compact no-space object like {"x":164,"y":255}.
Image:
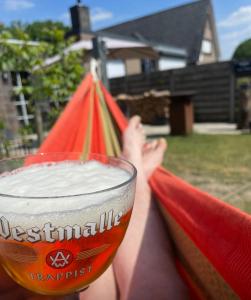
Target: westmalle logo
{"x":51,"y":233}
{"x":59,"y":259}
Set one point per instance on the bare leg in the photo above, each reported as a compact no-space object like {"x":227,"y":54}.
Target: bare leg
{"x":104,"y":288}
{"x":144,"y":266}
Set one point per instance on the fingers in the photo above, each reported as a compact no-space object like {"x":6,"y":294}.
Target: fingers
{"x":6,"y":283}
{"x":10,"y":290}
{"x":38,"y":297}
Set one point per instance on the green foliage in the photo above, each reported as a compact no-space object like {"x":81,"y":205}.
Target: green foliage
{"x":55,"y":82}
{"x":243,"y":51}
{"x":20,"y":57}
{"x":243,"y":81}
{"x":60,"y":79}
{"x":2,"y":127}
{"x":1,"y":27}
{"x":38,"y":30}
{"x":4,"y":143}
{"x":2,"y":136}
{"x":41,"y":30}
{"x":24,"y":132}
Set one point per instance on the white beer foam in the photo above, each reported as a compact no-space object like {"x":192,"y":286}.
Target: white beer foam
{"x":63,"y":179}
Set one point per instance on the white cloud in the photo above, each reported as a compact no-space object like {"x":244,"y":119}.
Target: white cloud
{"x":230,"y":40}
{"x":18,"y":4}
{"x":240,"y":17}
{"x":234,"y":29}
{"x":237,"y":34}
{"x":99,"y":14}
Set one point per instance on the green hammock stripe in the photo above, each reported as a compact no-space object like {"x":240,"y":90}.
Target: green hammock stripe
{"x":108,"y":124}
{"x":87,"y":143}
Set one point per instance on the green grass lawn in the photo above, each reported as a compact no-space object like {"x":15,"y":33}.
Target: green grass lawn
{"x":218,"y":164}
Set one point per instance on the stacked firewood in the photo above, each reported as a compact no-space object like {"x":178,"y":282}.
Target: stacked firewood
{"x":152,"y":106}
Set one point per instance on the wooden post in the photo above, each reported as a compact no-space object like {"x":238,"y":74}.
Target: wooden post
{"x":99,"y":53}
{"x":172,"y":80}
{"x":39,"y":123}
{"x":232,"y":117}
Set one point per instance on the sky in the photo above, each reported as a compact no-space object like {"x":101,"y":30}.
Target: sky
{"x":233,"y":17}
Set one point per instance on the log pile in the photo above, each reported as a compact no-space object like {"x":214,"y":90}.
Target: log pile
{"x":152,"y":106}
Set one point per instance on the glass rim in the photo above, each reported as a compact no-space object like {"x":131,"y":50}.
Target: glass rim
{"x":132,"y":176}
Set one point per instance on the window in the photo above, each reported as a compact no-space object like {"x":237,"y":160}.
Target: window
{"x":148,"y":65}
{"x":115,"y":68}
{"x":5,"y":77}
{"x":207,"y":47}
{"x":168,"y":63}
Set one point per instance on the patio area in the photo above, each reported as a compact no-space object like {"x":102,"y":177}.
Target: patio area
{"x":200,"y":128}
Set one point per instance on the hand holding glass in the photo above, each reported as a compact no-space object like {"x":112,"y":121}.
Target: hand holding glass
{"x":62,"y":219}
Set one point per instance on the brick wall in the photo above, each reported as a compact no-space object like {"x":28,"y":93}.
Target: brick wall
{"x":8,"y":113}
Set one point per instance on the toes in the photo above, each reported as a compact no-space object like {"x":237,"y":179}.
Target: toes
{"x":161,"y":145}
{"x":147,"y":147}
{"x":135,"y":122}
{"x":141,"y":129}
{"x":150,"y":146}
{"x":154,"y":144}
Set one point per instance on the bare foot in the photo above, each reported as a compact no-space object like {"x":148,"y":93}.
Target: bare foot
{"x":133,"y":142}
{"x":153,"y":154}
{"x":145,"y":156}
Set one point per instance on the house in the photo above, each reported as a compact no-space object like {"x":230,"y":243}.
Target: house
{"x":190,"y":27}
{"x":121,"y":65}
{"x":169,"y":39}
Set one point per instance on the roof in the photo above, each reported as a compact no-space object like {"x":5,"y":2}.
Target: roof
{"x":118,"y":48}
{"x":136,"y":39}
{"x":181,"y":27}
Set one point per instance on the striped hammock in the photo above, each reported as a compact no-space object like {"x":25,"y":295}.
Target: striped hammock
{"x":212,"y":239}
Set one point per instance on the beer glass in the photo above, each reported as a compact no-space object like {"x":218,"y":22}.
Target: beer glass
{"x":59,"y":244}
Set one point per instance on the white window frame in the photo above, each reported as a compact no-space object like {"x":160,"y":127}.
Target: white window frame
{"x":170,"y":63}
{"x":115,"y":68}
{"x":207,"y":46}
{"x":25,"y":117}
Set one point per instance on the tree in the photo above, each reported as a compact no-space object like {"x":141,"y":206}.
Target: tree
{"x":1,"y":27}
{"x":243,"y":51}
{"x":54,"y":82}
{"x":40,"y":30}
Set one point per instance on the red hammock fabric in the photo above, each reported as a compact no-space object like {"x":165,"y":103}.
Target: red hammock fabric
{"x":221,"y":233}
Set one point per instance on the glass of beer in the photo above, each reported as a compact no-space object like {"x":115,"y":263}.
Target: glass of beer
{"x":62,"y":218}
